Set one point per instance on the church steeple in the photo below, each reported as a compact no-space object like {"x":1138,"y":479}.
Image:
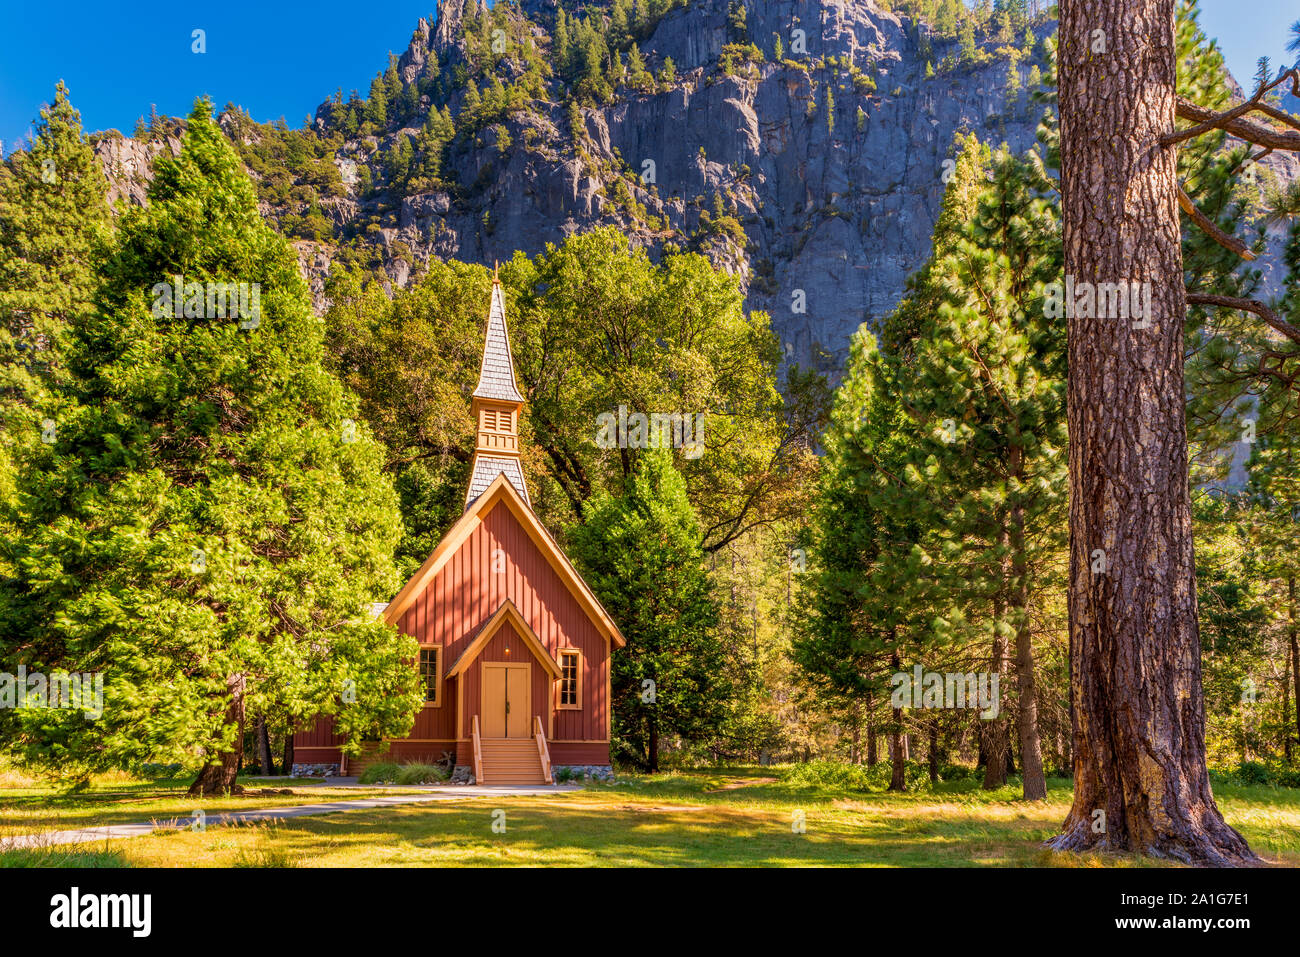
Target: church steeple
{"x":496,"y":405}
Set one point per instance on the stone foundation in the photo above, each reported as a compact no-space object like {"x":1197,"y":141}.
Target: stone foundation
{"x":582,"y":772}
{"x":462,"y":774}
{"x":315,"y":770}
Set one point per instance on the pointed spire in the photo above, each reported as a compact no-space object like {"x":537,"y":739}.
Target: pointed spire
{"x":496,"y":376}
{"x":496,"y":407}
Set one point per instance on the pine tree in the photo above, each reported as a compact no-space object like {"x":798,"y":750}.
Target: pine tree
{"x":1136,"y":694}
{"x":560,"y":42}
{"x":210,"y":525}
{"x":853,"y":635}
{"x":54,"y":222}
{"x":936,"y":523}
{"x":54,"y":225}
{"x":640,"y":552}
{"x":377,"y":105}
{"x":619,"y":27}
{"x":737,"y":25}
{"x":392,"y":79}
{"x":470,"y":104}
{"x":352,"y":116}
{"x":1263,"y":72}
{"x":985,"y":389}
{"x":967,"y":38}
{"x":636,"y":71}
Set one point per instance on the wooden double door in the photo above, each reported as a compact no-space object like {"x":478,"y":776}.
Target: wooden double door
{"x":507,"y":703}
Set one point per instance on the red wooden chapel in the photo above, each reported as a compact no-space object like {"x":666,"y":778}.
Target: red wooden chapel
{"x":514,"y":646}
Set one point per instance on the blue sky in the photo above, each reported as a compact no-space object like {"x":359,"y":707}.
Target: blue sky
{"x":273,"y":57}
{"x":283,"y":57}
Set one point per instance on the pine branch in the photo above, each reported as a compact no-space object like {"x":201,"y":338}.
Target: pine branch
{"x":1236,"y":125}
{"x":1233,"y":120}
{"x":1228,"y":242}
{"x":1282,"y":116}
{"x":1246,"y":305}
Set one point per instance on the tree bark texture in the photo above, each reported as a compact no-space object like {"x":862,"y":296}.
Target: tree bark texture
{"x":1138,"y":711}
{"x":1295,"y":654}
{"x":286,"y":763}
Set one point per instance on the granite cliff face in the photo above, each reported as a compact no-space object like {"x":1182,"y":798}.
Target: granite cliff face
{"x":826,"y":165}
{"x":836,"y":209}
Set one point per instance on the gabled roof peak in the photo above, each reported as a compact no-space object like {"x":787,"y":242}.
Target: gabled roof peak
{"x":502,"y":492}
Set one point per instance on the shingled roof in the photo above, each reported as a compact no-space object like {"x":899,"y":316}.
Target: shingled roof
{"x":496,"y":376}
{"x":487,"y":468}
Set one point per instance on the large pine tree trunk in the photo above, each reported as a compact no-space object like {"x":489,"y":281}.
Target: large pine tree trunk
{"x":218,"y":777}
{"x":898,"y":770}
{"x":1138,"y":711}
{"x":1286,"y":712}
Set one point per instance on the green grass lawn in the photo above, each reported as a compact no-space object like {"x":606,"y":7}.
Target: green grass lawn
{"x":739,"y":816}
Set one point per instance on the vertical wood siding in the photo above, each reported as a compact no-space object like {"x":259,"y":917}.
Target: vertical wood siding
{"x":499,"y":561}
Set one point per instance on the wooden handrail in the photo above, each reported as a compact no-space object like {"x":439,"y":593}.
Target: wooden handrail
{"x":478,"y":752}
{"x":543,"y":751}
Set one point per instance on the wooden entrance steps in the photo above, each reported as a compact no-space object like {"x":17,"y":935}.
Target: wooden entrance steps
{"x":511,"y":761}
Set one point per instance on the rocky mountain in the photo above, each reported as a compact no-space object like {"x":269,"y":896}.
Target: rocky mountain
{"x":799,"y":144}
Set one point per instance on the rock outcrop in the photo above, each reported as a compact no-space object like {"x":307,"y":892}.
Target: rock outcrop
{"x":828,"y":164}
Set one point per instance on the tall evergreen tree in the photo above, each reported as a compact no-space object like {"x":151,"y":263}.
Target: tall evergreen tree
{"x":854,"y":632}
{"x":210,"y":525}
{"x":54,"y":228}
{"x":54,"y":223}
{"x":984,"y":388}
{"x":641,"y":553}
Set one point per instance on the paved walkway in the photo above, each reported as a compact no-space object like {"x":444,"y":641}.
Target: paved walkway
{"x":423,"y":794}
